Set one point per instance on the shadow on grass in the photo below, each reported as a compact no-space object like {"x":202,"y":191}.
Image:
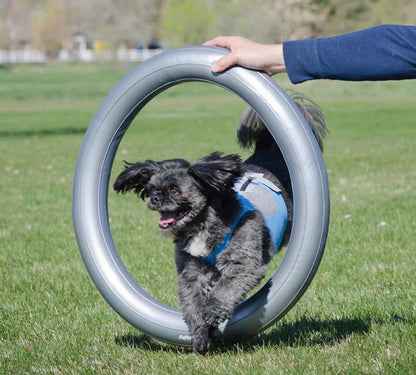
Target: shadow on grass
{"x":306,"y":332}
{"x":41,"y":132}
{"x":311,"y":332}
{"x":144,"y":342}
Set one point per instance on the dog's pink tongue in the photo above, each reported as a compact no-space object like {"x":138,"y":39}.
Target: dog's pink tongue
{"x":167,"y":219}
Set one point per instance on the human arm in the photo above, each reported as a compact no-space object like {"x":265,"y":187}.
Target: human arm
{"x":379,"y":53}
{"x":386,"y":52}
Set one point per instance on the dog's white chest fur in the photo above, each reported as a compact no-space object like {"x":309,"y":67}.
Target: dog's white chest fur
{"x":198,"y":245}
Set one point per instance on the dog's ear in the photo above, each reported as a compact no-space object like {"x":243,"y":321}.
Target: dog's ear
{"x":217,"y":173}
{"x":135,"y":177}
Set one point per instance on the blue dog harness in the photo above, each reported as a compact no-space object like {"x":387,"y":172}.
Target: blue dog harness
{"x":254,"y":192}
{"x":246,"y":206}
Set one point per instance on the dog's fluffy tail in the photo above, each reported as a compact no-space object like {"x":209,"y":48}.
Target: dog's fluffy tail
{"x":252,"y":132}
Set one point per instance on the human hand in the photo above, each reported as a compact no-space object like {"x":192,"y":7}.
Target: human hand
{"x":247,"y":53}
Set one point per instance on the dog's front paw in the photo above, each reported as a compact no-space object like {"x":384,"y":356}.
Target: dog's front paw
{"x":215,"y":314}
{"x":202,"y":340}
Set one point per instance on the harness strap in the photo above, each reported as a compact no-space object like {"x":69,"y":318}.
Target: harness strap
{"x":246,"y":206}
{"x":256,"y":192}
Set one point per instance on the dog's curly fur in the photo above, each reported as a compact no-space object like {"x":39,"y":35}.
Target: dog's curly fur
{"x":198,"y":206}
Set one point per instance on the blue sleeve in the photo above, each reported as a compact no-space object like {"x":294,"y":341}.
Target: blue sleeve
{"x":386,"y":52}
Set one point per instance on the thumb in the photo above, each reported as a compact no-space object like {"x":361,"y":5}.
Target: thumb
{"x":224,"y":63}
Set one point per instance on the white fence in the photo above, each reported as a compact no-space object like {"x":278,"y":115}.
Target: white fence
{"x":87,"y":55}
{"x":22,"y":56}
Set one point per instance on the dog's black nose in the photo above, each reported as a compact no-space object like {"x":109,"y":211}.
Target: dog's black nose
{"x":154,"y":199}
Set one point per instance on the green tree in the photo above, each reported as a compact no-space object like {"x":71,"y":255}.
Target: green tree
{"x":186,"y":22}
{"x":5,"y":41}
{"x":386,"y":11}
{"x":51,"y":27}
{"x":268,"y":21}
{"x":17,"y":22}
{"x":342,"y":16}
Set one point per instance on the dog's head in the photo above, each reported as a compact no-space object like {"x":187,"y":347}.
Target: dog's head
{"x":178,"y":190}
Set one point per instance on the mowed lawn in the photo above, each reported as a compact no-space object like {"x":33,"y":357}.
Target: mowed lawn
{"x":357,"y":317}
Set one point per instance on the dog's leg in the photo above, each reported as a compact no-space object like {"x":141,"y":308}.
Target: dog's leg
{"x":229,"y":291}
{"x":242,"y":266}
{"x":194,"y":285}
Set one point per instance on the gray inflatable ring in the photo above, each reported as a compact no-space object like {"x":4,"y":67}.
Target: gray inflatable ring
{"x":91,"y":186}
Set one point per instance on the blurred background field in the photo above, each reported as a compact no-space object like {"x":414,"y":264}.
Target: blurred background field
{"x":131,"y":30}
{"x":357,"y":317}
{"x":359,"y":314}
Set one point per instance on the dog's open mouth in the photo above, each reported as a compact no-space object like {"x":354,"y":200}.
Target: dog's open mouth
{"x":170,"y":219}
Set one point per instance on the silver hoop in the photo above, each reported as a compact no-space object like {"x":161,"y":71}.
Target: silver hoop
{"x":90,"y":194}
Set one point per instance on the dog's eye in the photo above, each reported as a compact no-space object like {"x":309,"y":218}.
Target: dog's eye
{"x":173,"y":190}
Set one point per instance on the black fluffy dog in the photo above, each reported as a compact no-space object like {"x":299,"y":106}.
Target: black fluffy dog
{"x":222,"y":242}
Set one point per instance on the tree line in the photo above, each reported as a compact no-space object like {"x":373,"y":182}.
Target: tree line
{"x":51,"y":24}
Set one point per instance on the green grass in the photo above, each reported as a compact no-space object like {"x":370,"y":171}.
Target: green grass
{"x":358,"y":316}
